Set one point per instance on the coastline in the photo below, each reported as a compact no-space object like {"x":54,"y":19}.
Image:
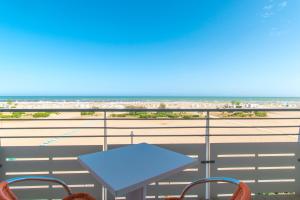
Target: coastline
{"x":143,"y":104}
{"x":152,"y":102}
{"x":253,"y":99}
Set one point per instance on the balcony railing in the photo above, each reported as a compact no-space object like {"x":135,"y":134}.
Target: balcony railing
{"x":262,"y":151}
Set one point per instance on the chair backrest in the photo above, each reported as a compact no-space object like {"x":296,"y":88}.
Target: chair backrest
{"x":242,"y":192}
{"x":5,"y":192}
{"x":79,"y":196}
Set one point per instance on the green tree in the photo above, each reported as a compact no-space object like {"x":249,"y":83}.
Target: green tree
{"x":9,"y":102}
{"x":237,"y":103}
{"x":87,"y":113}
{"x":41,"y":114}
{"x":260,"y":114}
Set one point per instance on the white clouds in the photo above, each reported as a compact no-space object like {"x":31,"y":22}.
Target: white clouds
{"x":276,"y":32}
{"x":268,"y":7}
{"x":282,"y":5}
{"x":272,"y":7}
{"x":268,"y":10}
{"x":267,"y":14}
{"x":271,"y":14}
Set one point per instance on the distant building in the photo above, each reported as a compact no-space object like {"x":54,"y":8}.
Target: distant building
{"x":4,"y":105}
{"x":250,"y":105}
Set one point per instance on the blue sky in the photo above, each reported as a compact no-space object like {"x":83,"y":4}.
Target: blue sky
{"x":157,"y":47}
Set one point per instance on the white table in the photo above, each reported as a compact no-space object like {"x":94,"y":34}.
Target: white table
{"x":128,"y":170}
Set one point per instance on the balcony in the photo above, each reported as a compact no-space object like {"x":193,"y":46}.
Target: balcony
{"x":262,"y":151}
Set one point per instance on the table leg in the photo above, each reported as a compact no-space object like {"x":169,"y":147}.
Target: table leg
{"x":139,"y":194}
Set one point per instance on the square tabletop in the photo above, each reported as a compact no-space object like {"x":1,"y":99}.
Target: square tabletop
{"x":128,"y":168}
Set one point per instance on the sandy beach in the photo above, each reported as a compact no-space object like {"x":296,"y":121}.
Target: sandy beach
{"x":146,"y":104}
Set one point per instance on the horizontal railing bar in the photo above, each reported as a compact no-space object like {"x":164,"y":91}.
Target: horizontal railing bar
{"x":52,"y":136}
{"x":97,"y":119}
{"x":258,"y":134}
{"x":254,"y":118}
{"x":164,"y":135}
{"x":41,"y":128}
{"x":151,"y":110}
{"x":145,"y":119}
{"x":151,"y":127}
{"x":175,"y":127}
{"x":281,"y":126}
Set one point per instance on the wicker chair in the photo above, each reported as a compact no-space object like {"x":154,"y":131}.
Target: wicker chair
{"x":242,"y":191}
{"x":7,"y":194}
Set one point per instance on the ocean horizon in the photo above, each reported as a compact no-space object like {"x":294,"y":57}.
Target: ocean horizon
{"x":147,"y":99}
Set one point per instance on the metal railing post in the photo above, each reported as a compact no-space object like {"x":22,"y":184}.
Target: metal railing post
{"x":207,"y":156}
{"x":0,"y":132}
{"x":104,"y":190}
{"x":297,"y":192}
{"x":105,"y":132}
{"x":131,"y":137}
{"x":299,"y":135}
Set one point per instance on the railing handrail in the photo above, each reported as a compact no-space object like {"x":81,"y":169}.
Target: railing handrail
{"x":145,"y":109}
{"x":150,"y":135}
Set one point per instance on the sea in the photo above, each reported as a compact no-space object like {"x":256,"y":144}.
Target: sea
{"x":145,"y":99}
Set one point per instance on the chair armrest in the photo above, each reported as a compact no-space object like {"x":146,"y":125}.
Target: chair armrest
{"x":40,"y":178}
{"x":208,"y":180}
